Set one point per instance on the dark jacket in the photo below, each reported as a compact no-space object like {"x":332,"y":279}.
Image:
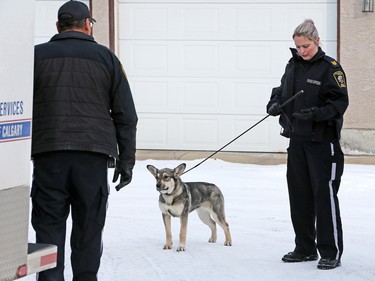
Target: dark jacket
{"x":82,"y":99}
{"x":324,"y":84}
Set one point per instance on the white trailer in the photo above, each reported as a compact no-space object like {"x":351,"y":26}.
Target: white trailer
{"x":18,"y":258}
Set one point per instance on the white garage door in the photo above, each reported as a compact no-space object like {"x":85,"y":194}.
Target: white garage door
{"x":202,"y":71}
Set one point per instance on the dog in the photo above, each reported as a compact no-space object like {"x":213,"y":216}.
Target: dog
{"x":178,"y":199}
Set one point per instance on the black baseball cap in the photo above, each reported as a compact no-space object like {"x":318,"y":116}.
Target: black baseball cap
{"x":72,"y":11}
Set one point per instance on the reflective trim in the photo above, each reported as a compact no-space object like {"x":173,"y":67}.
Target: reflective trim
{"x":333,"y":205}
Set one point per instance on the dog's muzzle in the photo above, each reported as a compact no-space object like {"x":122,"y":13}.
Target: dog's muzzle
{"x":161,"y":188}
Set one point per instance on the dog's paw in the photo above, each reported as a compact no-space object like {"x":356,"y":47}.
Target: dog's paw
{"x":181,"y":248}
{"x":167,"y":247}
{"x":212,"y":240}
{"x":228,"y":243}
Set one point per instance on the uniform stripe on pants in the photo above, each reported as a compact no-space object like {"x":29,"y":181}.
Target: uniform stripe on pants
{"x":333,"y":204}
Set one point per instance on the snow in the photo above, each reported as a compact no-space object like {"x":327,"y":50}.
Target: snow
{"x":257,"y":210}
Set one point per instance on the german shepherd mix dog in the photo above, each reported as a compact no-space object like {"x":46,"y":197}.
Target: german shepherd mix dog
{"x":178,"y":199}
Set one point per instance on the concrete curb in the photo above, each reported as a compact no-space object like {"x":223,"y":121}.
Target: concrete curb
{"x":238,"y":157}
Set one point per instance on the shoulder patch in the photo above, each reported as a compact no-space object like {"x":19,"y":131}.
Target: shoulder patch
{"x":340,"y":78}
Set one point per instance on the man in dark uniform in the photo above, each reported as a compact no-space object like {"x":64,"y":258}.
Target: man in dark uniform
{"x":83,"y":116}
{"x":313,"y":122}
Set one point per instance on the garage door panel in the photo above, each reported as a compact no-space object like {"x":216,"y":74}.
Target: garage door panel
{"x":248,"y":97}
{"x":151,"y":95}
{"x":192,"y":128}
{"x":200,"y":59}
{"x":201,"y":132}
{"x":148,"y":58}
{"x":330,"y":48}
{"x":158,"y":125}
{"x":229,"y":21}
{"x":256,"y":137}
{"x":251,"y":21}
{"x":200,"y":21}
{"x":204,"y":59}
{"x":199,"y":95}
{"x":253,"y":59}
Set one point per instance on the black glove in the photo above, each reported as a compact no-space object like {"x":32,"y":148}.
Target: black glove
{"x":274,"y":109}
{"x":126,"y":177}
{"x":306,"y":114}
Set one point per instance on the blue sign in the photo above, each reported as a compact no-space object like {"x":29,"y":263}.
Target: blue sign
{"x":15,"y":130}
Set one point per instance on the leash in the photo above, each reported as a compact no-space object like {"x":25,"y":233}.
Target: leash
{"x":240,"y":135}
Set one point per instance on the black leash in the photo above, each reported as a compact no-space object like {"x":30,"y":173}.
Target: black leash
{"x":257,"y":123}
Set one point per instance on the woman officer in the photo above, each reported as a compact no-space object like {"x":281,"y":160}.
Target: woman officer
{"x":313,"y":122}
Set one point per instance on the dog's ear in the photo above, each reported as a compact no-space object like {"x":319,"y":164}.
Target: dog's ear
{"x":179,"y":169}
{"x":152,"y":170}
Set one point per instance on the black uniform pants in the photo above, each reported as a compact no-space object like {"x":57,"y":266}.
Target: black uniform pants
{"x":75,"y":180}
{"x":314,"y":172}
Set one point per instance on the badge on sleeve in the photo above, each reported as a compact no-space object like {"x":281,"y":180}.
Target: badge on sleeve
{"x":340,"y":79}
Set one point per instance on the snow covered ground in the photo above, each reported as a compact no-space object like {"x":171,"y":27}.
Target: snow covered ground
{"x":257,"y":211}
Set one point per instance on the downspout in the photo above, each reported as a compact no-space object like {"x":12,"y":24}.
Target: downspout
{"x":107,"y":32}
{"x":111,"y":17}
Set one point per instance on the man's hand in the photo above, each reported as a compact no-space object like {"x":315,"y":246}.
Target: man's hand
{"x":306,"y":114}
{"x":125,"y":177}
{"x":274,"y":109}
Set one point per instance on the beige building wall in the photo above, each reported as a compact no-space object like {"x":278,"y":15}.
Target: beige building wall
{"x":100,"y":10}
{"x":357,"y":56}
